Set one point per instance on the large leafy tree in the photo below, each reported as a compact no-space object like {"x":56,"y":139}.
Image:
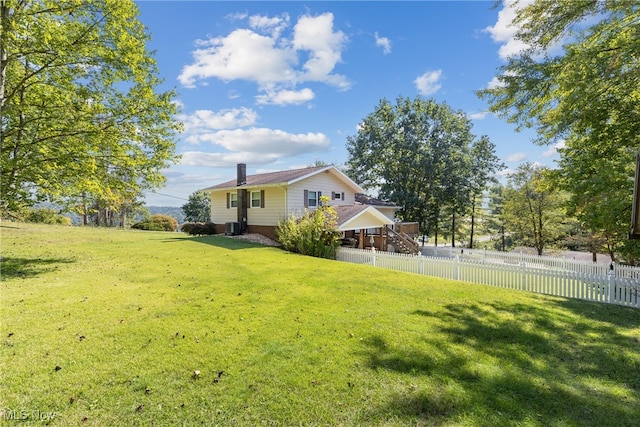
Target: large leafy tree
{"x":533,"y":209}
{"x":81,"y":115}
{"x":579,"y":82}
{"x":416,"y":153}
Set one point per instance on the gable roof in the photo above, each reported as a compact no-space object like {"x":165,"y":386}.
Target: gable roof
{"x":286,"y":177}
{"x":360,"y":216}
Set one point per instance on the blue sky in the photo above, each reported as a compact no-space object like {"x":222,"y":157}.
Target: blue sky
{"x":282,"y":84}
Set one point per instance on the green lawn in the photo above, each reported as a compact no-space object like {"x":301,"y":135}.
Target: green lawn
{"x":110,"y":327}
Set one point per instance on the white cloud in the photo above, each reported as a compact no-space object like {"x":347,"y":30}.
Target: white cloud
{"x":553,"y":150}
{"x":517,"y":157}
{"x":504,"y":30}
{"x":429,"y":82}
{"x":242,"y":55}
{"x":219,"y":160}
{"x":207,"y":120}
{"x":274,"y":26}
{"x":324,"y":46}
{"x":480,"y":115}
{"x":505,"y":173}
{"x":264,"y":141}
{"x":254,"y":145}
{"x":384,"y":43}
{"x":495,"y":82}
{"x":264,"y":55}
{"x":286,"y":97}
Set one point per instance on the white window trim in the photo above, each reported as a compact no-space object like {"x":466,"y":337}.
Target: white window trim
{"x":258,"y":200}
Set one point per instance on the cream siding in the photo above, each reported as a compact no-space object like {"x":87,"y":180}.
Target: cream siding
{"x":324,"y":183}
{"x":219,"y":212}
{"x":387,"y":211}
{"x":274,"y":207}
{"x":280,"y":201}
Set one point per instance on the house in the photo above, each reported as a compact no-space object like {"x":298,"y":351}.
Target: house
{"x":257,"y":203}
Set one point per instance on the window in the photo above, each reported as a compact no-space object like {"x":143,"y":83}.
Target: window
{"x":233,"y":200}
{"x":335,"y":195}
{"x":256,"y":199}
{"x":312,"y":199}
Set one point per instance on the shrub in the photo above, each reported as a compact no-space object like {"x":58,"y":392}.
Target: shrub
{"x":46,"y":216}
{"x":157,"y":222}
{"x":198,"y":228}
{"x":313,"y":234}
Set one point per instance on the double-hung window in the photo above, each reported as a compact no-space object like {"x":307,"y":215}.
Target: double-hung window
{"x":233,"y":200}
{"x":312,"y":198}
{"x":257,"y":199}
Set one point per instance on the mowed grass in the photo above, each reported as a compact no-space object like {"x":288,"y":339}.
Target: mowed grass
{"x":110,"y":327}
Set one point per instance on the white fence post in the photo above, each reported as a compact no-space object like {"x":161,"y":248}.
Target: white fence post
{"x":373,"y":252}
{"x":612,"y":286}
{"x":524,"y":275}
{"x":456,"y":268}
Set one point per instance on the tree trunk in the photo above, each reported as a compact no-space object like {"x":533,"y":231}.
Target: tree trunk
{"x":453,"y":230}
{"x":4,"y":60}
{"x":473,"y":221}
{"x":435,"y":237}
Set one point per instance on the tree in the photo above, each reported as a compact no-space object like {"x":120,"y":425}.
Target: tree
{"x":496,"y":220}
{"x":532,"y":209}
{"x":417,"y":154}
{"x":198,"y":208}
{"x":81,"y":116}
{"x":483,"y":165}
{"x":601,"y":197}
{"x":585,"y":94}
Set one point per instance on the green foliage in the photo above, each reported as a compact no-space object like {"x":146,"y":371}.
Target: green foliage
{"x":198,"y":208}
{"x":157,"y":222}
{"x":422,"y":156}
{"x":82,"y":118}
{"x":313,"y":234}
{"x":198,"y":228}
{"x":496,"y":221}
{"x":533,"y":210}
{"x":585,"y":94}
{"x":44,"y":216}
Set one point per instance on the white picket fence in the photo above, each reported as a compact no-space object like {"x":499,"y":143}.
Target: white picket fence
{"x":548,"y":262}
{"x":601,"y":285}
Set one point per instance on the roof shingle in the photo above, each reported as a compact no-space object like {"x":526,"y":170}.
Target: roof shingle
{"x":269,"y":178}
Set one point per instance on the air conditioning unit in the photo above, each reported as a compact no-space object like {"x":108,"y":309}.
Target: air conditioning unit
{"x":232,"y":228}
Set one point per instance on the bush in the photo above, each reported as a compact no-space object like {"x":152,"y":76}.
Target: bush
{"x":314,"y":234}
{"x":157,"y":222}
{"x":46,"y":216}
{"x":198,"y":228}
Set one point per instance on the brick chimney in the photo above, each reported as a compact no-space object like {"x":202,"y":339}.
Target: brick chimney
{"x":243,"y":202}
